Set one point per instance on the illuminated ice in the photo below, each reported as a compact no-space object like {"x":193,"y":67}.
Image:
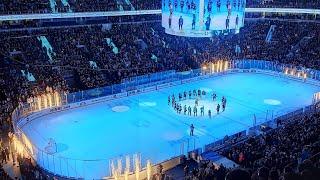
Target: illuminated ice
{"x":146,"y":124}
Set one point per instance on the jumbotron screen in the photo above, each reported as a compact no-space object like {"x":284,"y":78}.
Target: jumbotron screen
{"x":202,"y":18}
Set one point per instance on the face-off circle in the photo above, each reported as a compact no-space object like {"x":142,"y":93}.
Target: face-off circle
{"x":197,"y":103}
{"x":272,"y":102}
{"x":120,"y":109}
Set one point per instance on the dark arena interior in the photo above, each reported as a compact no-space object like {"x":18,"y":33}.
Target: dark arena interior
{"x":160,"y":89}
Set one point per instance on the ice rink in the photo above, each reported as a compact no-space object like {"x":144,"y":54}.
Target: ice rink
{"x":146,"y":124}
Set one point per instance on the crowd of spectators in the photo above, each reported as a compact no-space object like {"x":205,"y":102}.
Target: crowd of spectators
{"x":8,"y":155}
{"x":19,"y":50}
{"x":58,"y":6}
{"x":205,"y":170}
{"x":290,"y":152}
{"x":93,"y":5}
{"x":24,"y":6}
{"x":308,"y":4}
{"x":286,"y":150}
{"x":143,"y":4}
{"x":47,"y":6}
{"x":3,"y":174}
{"x":3,"y":159}
{"x":85,"y":57}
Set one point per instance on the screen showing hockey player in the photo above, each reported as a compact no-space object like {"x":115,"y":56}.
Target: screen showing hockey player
{"x":202,"y":18}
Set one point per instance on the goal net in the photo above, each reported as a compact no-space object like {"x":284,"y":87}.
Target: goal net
{"x":51,"y":147}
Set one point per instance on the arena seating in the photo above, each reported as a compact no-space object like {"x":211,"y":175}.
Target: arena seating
{"x":58,"y":6}
{"x":24,"y":6}
{"x":85,"y":57}
{"x":143,"y":4}
{"x":138,"y":49}
{"x":288,"y":152}
{"x":90,"y":6}
{"x":310,"y":4}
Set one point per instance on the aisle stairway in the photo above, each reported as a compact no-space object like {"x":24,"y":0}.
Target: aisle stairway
{"x":93,"y":64}
{"x":125,"y":6}
{"x":129,"y":4}
{"x":62,"y":3}
{"x":110,"y":43}
{"x":28,"y":75}
{"x":66,"y":4}
{"x":46,"y":44}
{"x":218,"y":159}
{"x":53,"y":5}
{"x":270,"y":33}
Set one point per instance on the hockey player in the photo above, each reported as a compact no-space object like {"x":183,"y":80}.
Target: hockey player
{"x":173,"y":98}
{"x":214,"y":96}
{"x":229,"y":7}
{"x":218,"y":5}
{"x":195,"y":111}
{"x":224,"y":101}
{"x":203,"y":93}
{"x":191,"y":130}
{"x":188,"y":5}
{"x":209,"y":113}
{"x":181,"y":5}
{"x":194,"y":93}
{"x":189,"y":111}
{"x":209,"y":6}
{"x":202,"y":111}
{"x":218,"y":108}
